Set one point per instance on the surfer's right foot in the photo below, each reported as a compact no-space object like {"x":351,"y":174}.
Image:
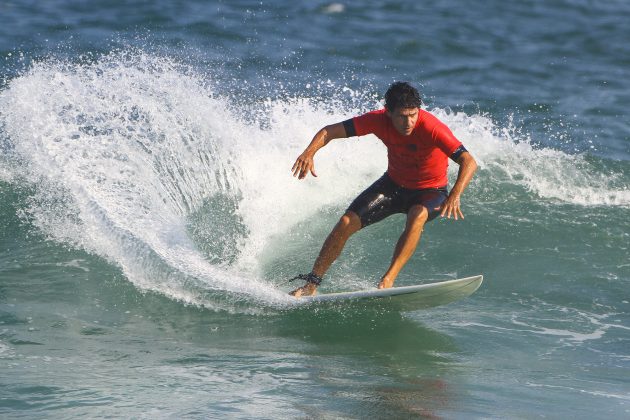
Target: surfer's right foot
{"x":310,"y":288}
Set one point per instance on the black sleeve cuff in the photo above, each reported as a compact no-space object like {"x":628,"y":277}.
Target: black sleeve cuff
{"x":458,"y":152}
{"x":349,"y":126}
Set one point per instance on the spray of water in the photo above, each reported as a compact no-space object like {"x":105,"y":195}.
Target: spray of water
{"x":133,"y":157}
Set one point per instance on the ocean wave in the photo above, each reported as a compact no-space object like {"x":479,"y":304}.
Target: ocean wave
{"x":135,"y":158}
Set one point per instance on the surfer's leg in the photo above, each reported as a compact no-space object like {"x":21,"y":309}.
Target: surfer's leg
{"x":372,"y":205}
{"x":333,"y":245}
{"x":336,"y":240}
{"x":416,"y":219}
{"x":423,"y":206}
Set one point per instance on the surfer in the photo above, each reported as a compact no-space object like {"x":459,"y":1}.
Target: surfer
{"x":418,"y":149}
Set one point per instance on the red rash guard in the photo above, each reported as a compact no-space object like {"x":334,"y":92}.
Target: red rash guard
{"x":417,"y":161}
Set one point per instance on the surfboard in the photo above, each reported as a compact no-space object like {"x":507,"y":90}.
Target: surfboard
{"x":405,"y":298}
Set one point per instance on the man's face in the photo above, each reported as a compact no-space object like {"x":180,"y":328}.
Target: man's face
{"x":404,"y":119}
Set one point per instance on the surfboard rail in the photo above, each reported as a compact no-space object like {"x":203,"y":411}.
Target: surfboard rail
{"x":405,"y":298}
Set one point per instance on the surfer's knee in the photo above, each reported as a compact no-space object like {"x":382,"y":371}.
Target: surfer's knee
{"x":417,"y":217}
{"x":349,"y":223}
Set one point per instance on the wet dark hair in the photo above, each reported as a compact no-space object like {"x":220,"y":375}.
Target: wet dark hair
{"x":402,"y":95}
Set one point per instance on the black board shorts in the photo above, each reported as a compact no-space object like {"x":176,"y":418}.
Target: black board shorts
{"x":384,"y":198}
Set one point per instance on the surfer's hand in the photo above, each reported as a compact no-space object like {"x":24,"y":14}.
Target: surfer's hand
{"x":452,"y":207}
{"x":303,"y":165}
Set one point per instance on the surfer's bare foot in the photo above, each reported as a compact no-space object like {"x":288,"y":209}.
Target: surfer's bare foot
{"x":385,"y":283}
{"x":309,"y":289}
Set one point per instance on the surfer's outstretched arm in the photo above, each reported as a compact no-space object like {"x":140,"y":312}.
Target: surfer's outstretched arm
{"x":467,"y":168}
{"x":304,"y":163}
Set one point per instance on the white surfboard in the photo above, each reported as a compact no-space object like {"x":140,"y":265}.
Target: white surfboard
{"x":405,"y":298}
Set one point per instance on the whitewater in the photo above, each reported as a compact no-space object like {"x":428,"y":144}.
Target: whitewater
{"x":133,"y":157}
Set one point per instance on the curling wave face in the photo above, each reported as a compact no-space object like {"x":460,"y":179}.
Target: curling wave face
{"x":133,"y":157}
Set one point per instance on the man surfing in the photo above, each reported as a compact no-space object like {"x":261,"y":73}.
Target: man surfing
{"x":418,"y":149}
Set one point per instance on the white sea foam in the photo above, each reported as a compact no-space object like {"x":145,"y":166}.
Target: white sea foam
{"x":509,"y":157}
{"x":596,"y":393}
{"x":124,"y":149}
{"x":6,"y":352}
{"x":334,"y":8}
{"x":565,"y":325}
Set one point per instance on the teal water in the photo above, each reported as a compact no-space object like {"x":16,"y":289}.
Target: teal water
{"x":149,"y":220}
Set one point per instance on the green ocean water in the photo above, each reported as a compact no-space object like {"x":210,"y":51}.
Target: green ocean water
{"x":149,"y":220}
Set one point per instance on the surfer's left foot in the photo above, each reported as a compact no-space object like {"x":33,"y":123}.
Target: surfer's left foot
{"x":310,"y":288}
{"x":385,"y":283}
